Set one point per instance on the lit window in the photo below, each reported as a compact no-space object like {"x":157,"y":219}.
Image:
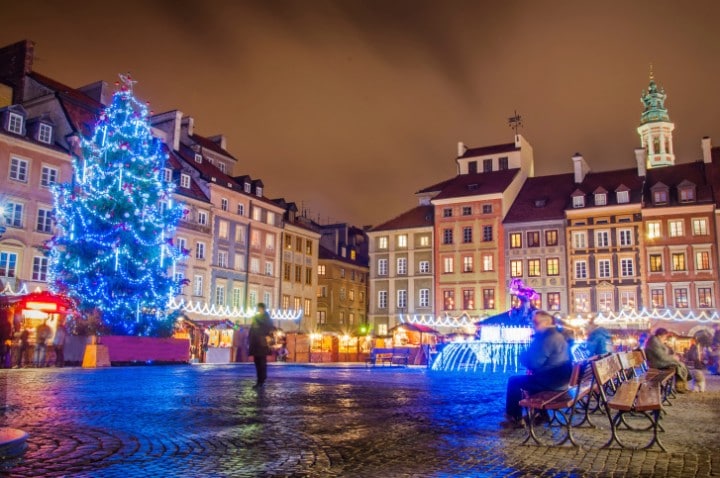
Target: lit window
{"x":551,"y":237}
{"x":321,"y":270}
{"x":515,"y":240}
{"x":223,"y":229}
{"x":657,"y":296}
{"x":383,"y":242}
{"x":533,"y":239}
{"x":676,"y":228}
{"x":488,"y":260}
{"x":402,"y":241}
{"x":700,"y":227}
{"x":705,"y":297}
{"x":467,"y":264}
{"x":533,"y":267}
{"x":656,"y":263}
{"x":681,"y":298}
{"x":448,"y":300}
{"x":653,"y":229}
{"x":448,"y":265}
{"x":516,"y":268}
{"x":678,"y":261}
{"x":552,"y":265}
{"x":553,"y":301}
{"x":702,"y":260}
{"x":424,"y":241}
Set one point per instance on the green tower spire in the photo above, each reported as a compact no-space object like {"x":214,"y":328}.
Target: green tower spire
{"x":654,"y":102}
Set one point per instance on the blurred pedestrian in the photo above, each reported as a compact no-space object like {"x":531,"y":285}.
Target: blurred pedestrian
{"x":22,"y":346}
{"x":5,"y":341}
{"x":260,"y":331}
{"x":42,"y":334}
{"x":59,"y":345}
{"x":599,"y":340}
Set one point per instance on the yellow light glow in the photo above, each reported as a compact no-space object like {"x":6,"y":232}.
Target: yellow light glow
{"x":47,"y":306}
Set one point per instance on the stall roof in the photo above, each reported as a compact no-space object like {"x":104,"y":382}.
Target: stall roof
{"x":423,"y":329}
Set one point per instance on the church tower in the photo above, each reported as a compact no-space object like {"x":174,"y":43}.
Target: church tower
{"x":655,"y":128}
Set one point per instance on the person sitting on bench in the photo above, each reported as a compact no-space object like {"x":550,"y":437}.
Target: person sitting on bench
{"x":660,"y":356}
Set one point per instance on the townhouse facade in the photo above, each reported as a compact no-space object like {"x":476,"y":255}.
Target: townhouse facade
{"x":401,"y":275}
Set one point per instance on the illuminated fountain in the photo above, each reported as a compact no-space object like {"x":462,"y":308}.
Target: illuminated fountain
{"x":502,"y":338}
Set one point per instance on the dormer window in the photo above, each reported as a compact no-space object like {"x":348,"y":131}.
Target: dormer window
{"x":258,"y":191}
{"x":623,"y":197}
{"x":167,"y":175}
{"x":686,"y":191}
{"x":247,"y":188}
{"x":660,"y":197}
{"x":45,"y":133}
{"x":221,"y":166}
{"x":578,"y":201}
{"x":198,"y":158}
{"x":600,"y":199}
{"x":184,"y":180}
{"x":15,"y":123}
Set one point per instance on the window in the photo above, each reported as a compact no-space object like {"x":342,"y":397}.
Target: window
{"x":269,"y":266}
{"x":515,"y":240}
{"x":247,"y":188}
{"x":308,"y":306}
{"x":257,"y":213}
{"x":551,"y":237}
{"x":252,"y":299}
{"x":656,"y":263}
{"x":402,"y":241}
{"x":627,"y":267}
{"x":382,"y":267}
{"x":200,"y":250}
{"x":579,"y":239}
{"x":602,"y":239}
{"x":502,"y":163}
{"x":402,"y":299}
{"x":241,"y":209}
{"x":167,"y":175}
{"x":604,"y":268}
{"x":448,"y":300}
{"x":424,"y":267}
{"x":447,"y":236}
{"x":580,"y":270}
{"x":15,"y":123}
{"x":321,"y":317}
{"x":202,"y":218}
{"x":382,"y":299}
{"x":660,"y":197}
{"x":222,"y":259}
{"x":467,"y":264}
{"x":383,"y":242}
{"x":40,"y":266}
{"x":342,"y":293}
{"x":19,"y":170}
{"x":448,"y":265}
{"x":578,"y":201}
{"x":44,"y":220}
{"x":699,"y":227}
{"x":402,"y":265}
{"x":533,"y":267}
{"x":322,"y":291}
{"x":702,"y":260}
{"x":516,"y":268}
{"x":467,"y":211}
{"x":221,"y":167}
{"x":487,"y":233}
{"x":298,"y":273}
{"x":681,"y":298}
{"x":447,"y":212}
{"x":270,"y":241}
{"x":308,"y":247}
{"x":653,"y":229}
{"x":220,"y":295}
{"x":424,"y":241}
{"x":223,"y":229}
{"x":552,"y":266}
{"x":285,"y":304}
{"x":553,"y":301}
{"x":181,"y":244}
{"x":298,"y":244}
{"x":467,"y":234}
{"x":487,"y":208}
{"x":676,"y":228}
{"x":687,"y":194}
{"x":351,"y":294}
{"x":8,"y":264}
{"x":14,"y":214}
{"x":48,"y":176}
{"x":678,"y":261}
{"x":259,"y":191}
{"x":308,"y":275}
{"x":487,"y":261}
{"x":255,"y":239}
{"x":224,"y":204}
{"x":488,"y":299}
{"x":321,"y":269}
{"x":198,"y":285}
{"x":582,"y":301}
{"x":424,"y":298}
{"x":600,"y":199}
{"x":625,"y":237}
{"x":184,"y":180}
{"x":468,"y":299}
{"x":657,"y":296}
{"x":623,"y":197}
{"x":286,"y":271}
{"x":605,"y":301}
{"x":255,"y":265}
{"x":487,"y":165}
{"x":704,"y":297}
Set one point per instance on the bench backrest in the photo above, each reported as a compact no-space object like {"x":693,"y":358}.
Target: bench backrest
{"x":606,"y":370}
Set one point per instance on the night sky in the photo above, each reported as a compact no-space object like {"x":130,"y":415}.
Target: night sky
{"x":349,"y":107}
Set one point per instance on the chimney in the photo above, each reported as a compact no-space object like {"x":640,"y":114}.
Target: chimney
{"x":98,"y":91}
{"x":580,"y":167}
{"x":461,"y":149}
{"x":640,"y":160}
{"x":706,"y":148}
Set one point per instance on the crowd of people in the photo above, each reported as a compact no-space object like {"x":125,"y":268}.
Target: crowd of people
{"x":549,"y":357}
{"x":19,"y":347}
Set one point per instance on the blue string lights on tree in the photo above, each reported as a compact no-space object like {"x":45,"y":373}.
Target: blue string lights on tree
{"x":114,"y":253}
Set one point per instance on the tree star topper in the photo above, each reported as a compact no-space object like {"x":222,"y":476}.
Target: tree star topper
{"x":127,"y":82}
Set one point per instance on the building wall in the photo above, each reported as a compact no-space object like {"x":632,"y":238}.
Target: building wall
{"x":342,"y":297}
{"x":299,"y":272}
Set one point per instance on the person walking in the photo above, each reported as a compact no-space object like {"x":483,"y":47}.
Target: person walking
{"x":259,"y":348}
{"x":548,"y":363}
{"x":42,"y":334}
{"x":59,"y":345}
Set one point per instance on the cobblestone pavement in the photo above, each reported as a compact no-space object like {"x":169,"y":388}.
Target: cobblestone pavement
{"x":207,"y":421}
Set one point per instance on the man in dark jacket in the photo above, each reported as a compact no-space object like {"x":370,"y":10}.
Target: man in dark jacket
{"x":660,"y":356}
{"x":547,"y":360}
{"x":260,"y":329}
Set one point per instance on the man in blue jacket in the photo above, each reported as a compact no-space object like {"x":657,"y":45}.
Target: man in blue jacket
{"x":548,"y":363}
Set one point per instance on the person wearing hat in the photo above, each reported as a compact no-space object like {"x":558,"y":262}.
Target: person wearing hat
{"x":259,"y":348}
{"x":660,"y":356}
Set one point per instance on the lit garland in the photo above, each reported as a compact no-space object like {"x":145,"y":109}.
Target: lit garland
{"x":225,"y":311}
{"x":645,"y":315}
{"x":113,"y":251}
{"x":431,"y":321}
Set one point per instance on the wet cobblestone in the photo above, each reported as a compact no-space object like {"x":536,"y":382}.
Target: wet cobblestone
{"x":191,"y":421}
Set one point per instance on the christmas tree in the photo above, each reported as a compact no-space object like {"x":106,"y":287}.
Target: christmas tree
{"x":113,"y":252}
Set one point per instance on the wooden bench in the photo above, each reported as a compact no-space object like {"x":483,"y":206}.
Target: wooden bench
{"x":387,"y":358}
{"x":634,"y":365}
{"x":631,"y":396}
{"x":562,"y":404}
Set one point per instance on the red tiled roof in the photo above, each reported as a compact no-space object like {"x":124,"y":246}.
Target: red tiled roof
{"x":672,"y":176}
{"x":476,"y":184}
{"x":542,"y":198}
{"x":211,"y":145}
{"x":488,"y":150}
{"x":419,"y":216}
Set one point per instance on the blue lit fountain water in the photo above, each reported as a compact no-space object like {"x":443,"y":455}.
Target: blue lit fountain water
{"x":501,"y":340}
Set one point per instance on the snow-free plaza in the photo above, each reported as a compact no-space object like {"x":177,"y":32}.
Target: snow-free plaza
{"x":314,"y":421}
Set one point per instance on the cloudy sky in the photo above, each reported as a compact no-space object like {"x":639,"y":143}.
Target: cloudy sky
{"x":349,"y":107}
